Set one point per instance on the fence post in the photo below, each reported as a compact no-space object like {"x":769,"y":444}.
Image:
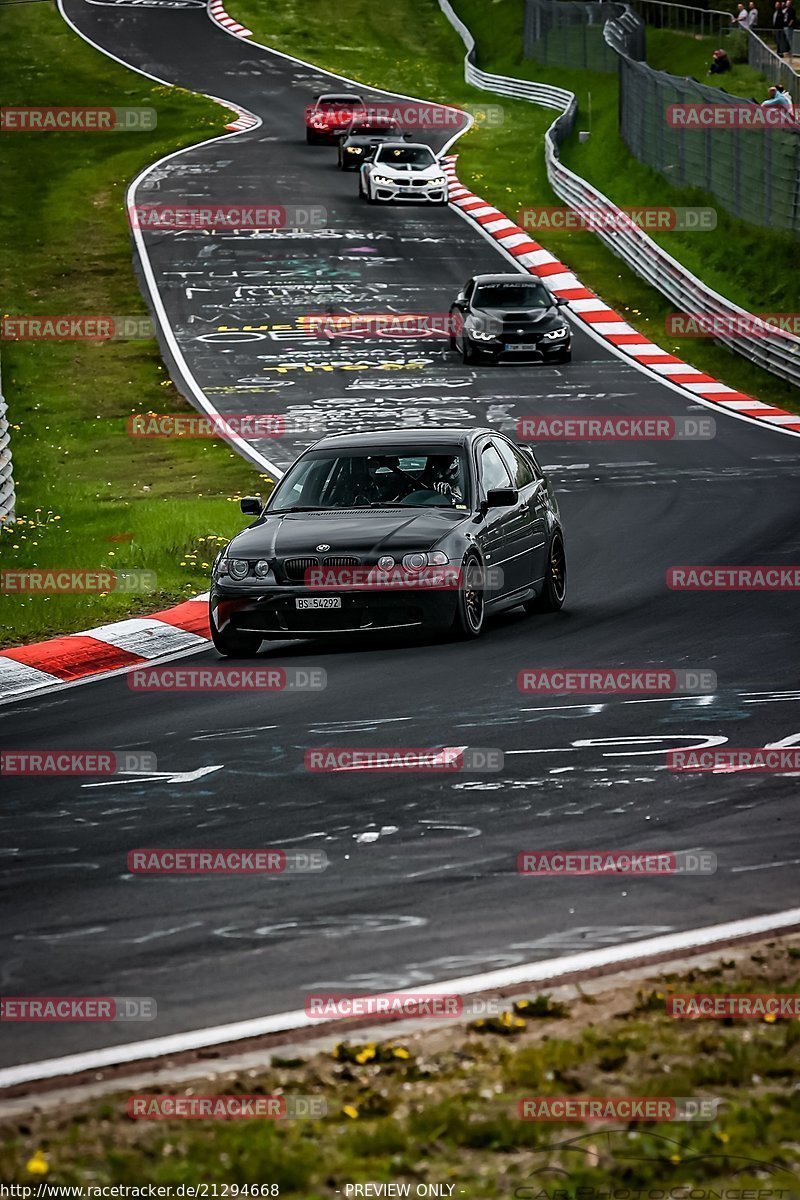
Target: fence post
{"x":7,"y":497}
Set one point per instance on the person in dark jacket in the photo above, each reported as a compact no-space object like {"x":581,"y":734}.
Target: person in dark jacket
{"x":789,"y":24}
{"x":720,"y":63}
{"x":778,"y":23}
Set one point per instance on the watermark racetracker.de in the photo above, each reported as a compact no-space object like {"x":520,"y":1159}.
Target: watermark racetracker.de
{"x":607,"y":681}
{"x":32,"y":119}
{"x":33,"y":581}
{"x":92,"y":327}
{"x":56,"y":762}
{"x":559,"y":428}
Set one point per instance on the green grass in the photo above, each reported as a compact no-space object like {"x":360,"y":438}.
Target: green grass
{"x":89,"y":496}
{"x":410,"y":47}
{"x":442,"y":1107}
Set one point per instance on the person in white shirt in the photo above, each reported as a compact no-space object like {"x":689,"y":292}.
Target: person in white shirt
{"x":740,"y":16}
{"x":752,"y":16}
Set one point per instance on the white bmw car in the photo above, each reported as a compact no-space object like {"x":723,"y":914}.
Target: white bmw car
{"x":403,"y":171}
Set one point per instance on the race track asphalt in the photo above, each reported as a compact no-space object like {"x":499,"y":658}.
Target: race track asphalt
{"x":422,"y":882}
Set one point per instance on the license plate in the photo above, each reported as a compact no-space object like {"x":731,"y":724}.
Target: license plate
{"x":521,"y":346}
{"x":319,"y":602}
{"x":406,"y":191}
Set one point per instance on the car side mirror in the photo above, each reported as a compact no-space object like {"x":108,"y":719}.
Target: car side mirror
{"x":251,"y":506}
{"x":408,"y":137}
{"x":560,"y":302}
{"x":501,"y":497}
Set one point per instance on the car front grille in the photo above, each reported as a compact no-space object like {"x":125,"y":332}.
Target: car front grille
{"x":295,"y":568}
{"x":519,"y":331}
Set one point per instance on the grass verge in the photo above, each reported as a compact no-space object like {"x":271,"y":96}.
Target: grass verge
{"x":410,"y":47}
{"x":89,"y":496}
{"x":442,"y":1107}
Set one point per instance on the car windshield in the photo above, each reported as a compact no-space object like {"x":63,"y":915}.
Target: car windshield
{"x":403,"y":156}
{"x":339,"y":101}
{"x":512,"y":295}
{"x":375,"y":479}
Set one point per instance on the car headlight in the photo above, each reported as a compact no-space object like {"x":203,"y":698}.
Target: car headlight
{"x":238,"y":568}
{"x":439,"y":181}
{"x":262,"y":569}
{"x":386,"y":562}
{"x":420,"y":560}
{"x":481,"y":335}
{"x":382,"y":179}
{"x":562,"y":331}
{"x":354,"y":150}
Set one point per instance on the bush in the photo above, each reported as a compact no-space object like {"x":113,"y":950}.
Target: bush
{"x":736,"y":45}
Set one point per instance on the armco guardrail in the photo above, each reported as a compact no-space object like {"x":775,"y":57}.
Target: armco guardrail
{"x":777,"y":353}
{"x":7,"y":497}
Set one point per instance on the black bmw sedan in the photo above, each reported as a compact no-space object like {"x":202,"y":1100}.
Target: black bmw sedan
{"x":509,"y":318}
{"x":392,"y":530}
{"x":363,"y":137}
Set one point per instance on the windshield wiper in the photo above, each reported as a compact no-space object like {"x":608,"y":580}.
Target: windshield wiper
{"x":296,"y":508}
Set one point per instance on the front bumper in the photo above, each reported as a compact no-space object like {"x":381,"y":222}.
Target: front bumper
{"x":272,"y":610}
{"x":529,"y":350}
{"x":330,"y":134}
{"x":416,"y":193}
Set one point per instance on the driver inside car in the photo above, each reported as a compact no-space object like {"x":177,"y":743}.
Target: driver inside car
{"x":442,"y":475}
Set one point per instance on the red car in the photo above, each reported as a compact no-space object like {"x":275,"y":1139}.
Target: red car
{"x":331,"y":115}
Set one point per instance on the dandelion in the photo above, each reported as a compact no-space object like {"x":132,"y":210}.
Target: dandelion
{"x":38,"y":1165}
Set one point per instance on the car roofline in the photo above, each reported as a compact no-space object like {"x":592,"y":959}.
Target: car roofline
{"x":422,"y":434}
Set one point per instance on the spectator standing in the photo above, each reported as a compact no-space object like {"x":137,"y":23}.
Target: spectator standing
{"x":778,"y":26}
{"x":740,"y":16}
{"x":790,"y":24}
{"x":752,"y":15}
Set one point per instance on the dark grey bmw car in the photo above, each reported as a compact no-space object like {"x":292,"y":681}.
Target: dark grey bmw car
{"x":397,"y":529}
{"x":509,"y":318}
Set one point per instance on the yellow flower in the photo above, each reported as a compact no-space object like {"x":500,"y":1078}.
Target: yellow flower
{"x":350,"y":1110}
{"x":770,"y":1018}
{"x":38,"y":1165}
{"x":400,"y":1052}
{"x":366,"y":1054}
{"x":675,"y":1158}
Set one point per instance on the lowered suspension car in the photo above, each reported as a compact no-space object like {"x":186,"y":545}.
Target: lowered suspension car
{"x":392,"y":530}
{"x":403,"y":171}
{"x":509,"y":318}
